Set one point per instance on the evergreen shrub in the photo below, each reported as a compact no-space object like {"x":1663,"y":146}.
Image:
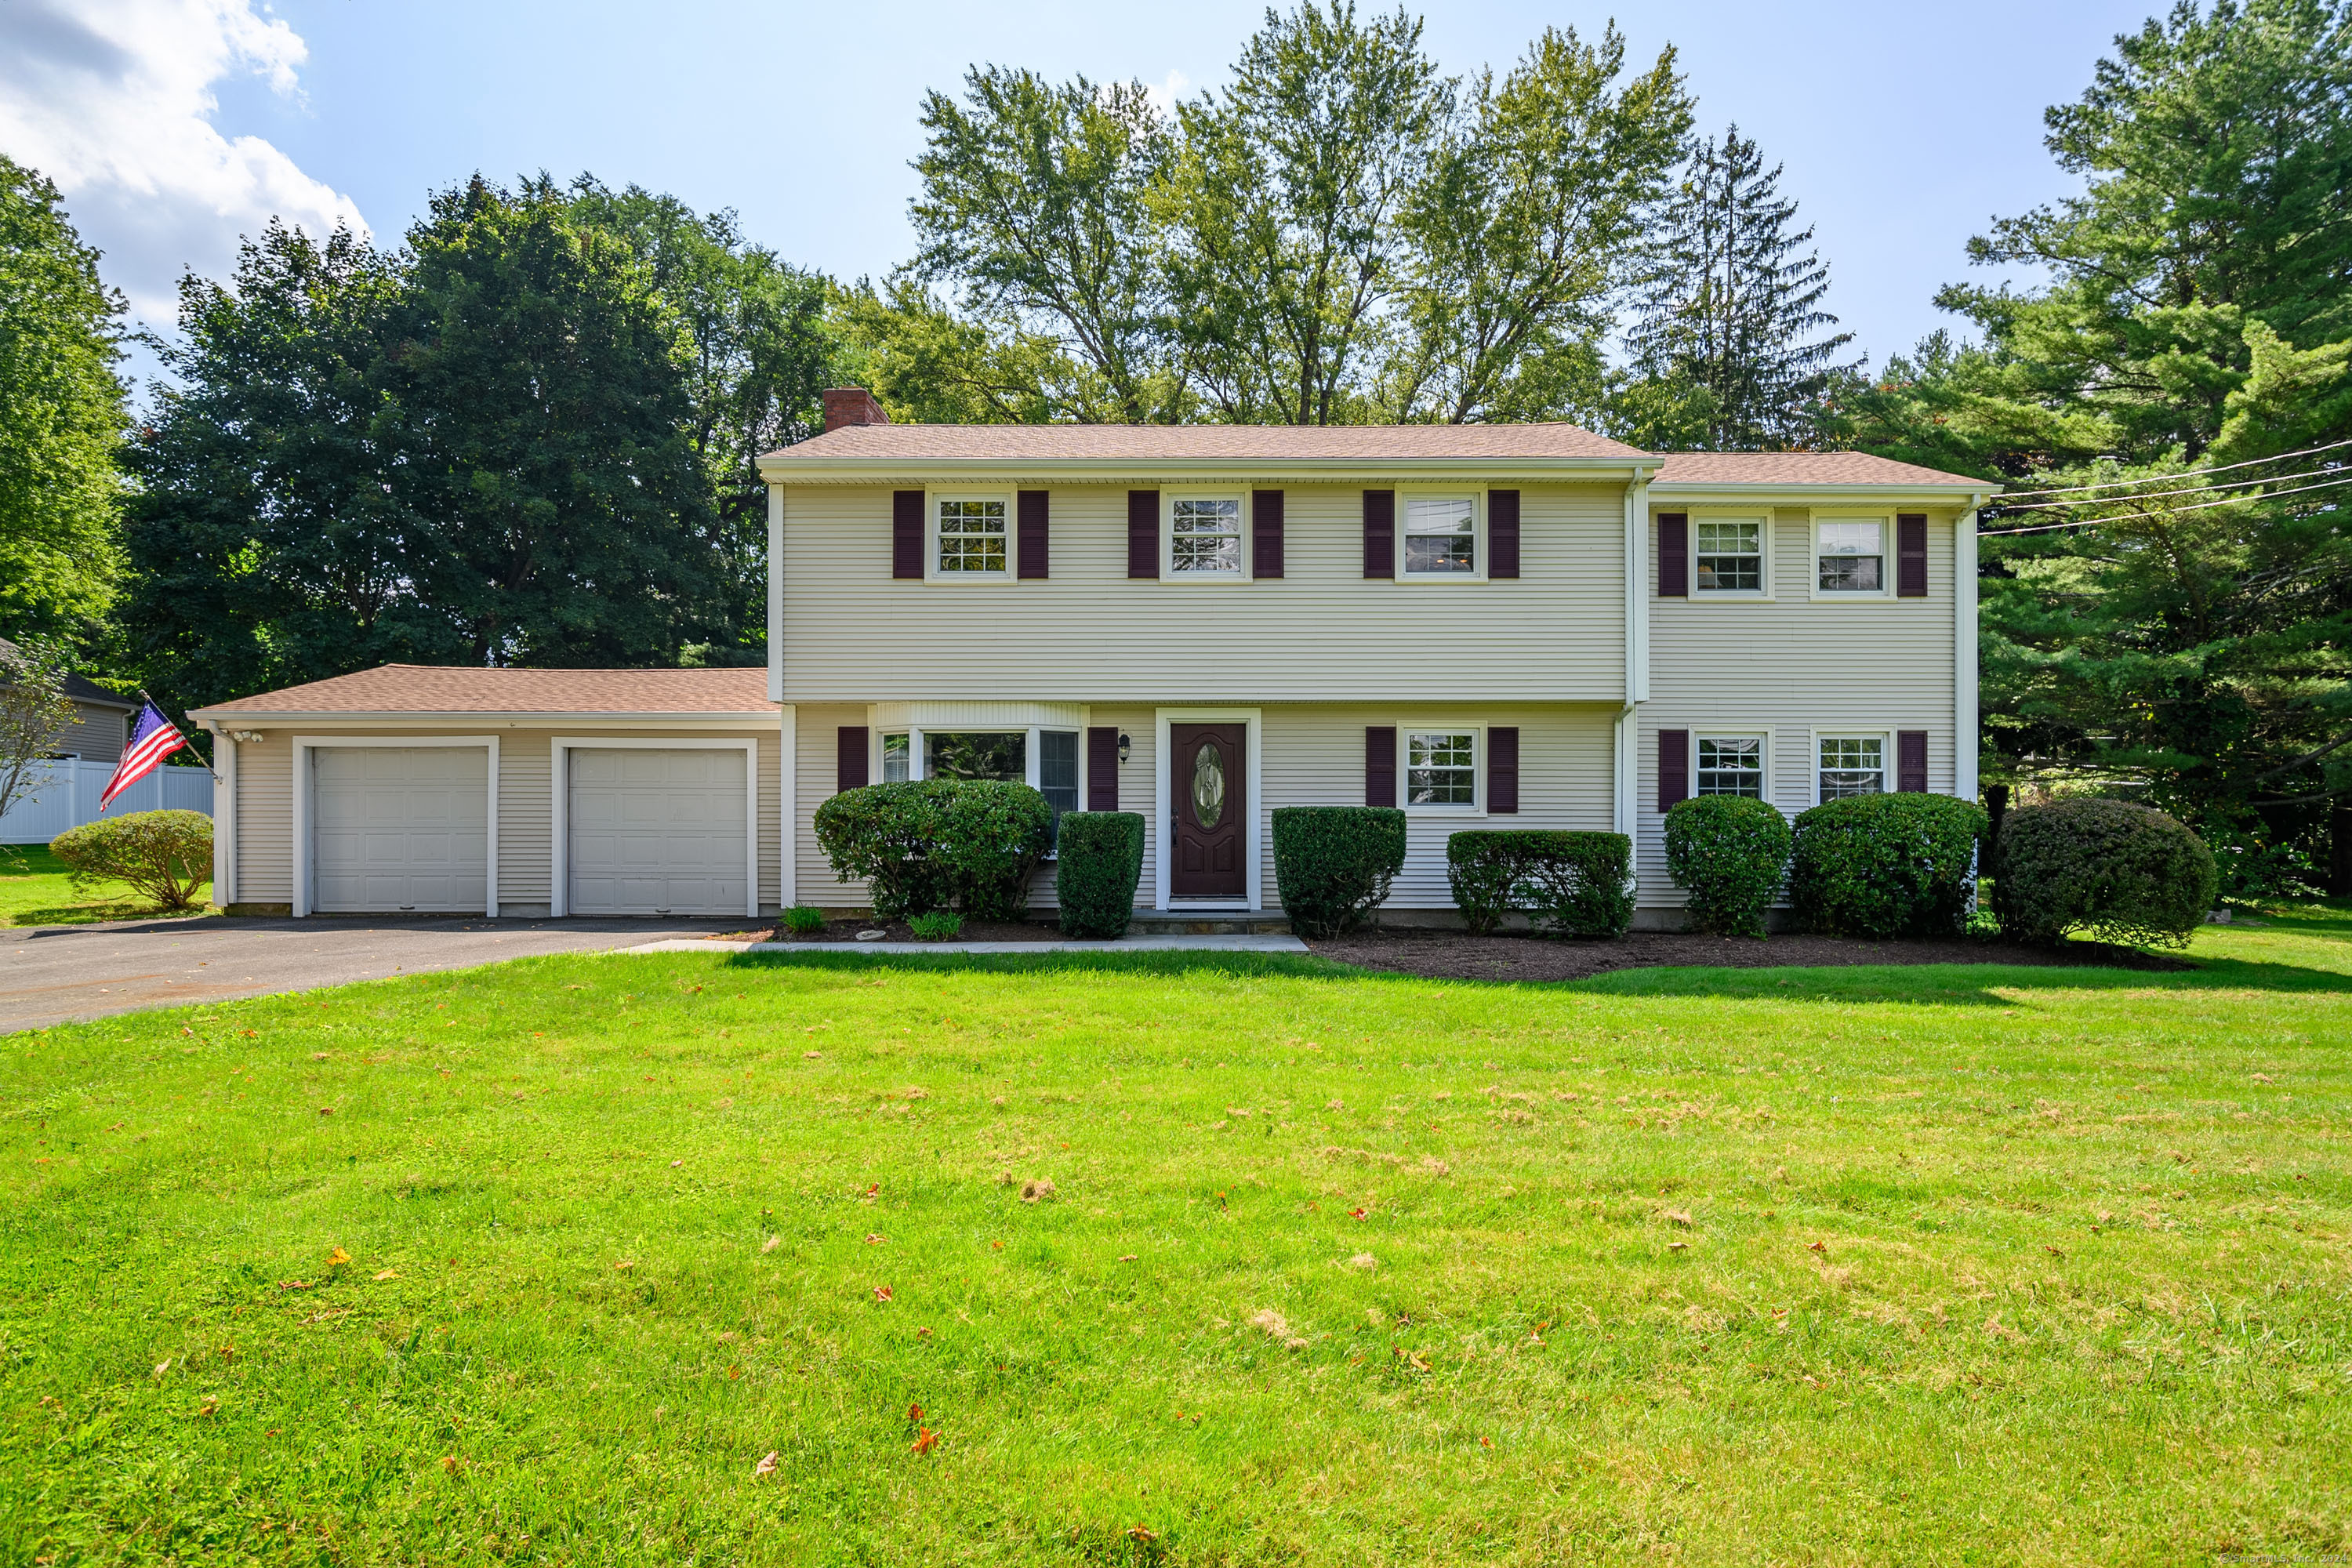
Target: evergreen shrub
{"x":1334,"y":863}
{"x":2124,"y":872}
{"x":1096,"y":867}
{"x":1731,"y":855}
{"x":1885,"y":865}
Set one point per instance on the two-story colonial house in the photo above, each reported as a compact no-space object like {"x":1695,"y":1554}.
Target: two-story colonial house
{"x":1486,"y":626}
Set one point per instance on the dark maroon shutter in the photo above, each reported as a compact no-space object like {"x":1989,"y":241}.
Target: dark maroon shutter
{"x":1673,"y":768}
{"x":849,"y":750}
{"x":1911,"y":555}
{"x":1503,"y":769}
{"x":1674,"y":555}
{"x":1102,"y":768}
{"x":1265,"y":533}
{"x":1030,"y":509}
{"x":906,"y":533}
{"x":1911,"y":761}
{"x":1380,"y":546}
{"x":1379,"y":765}
{"x":1502,"y":533}
{"x":1143,"y":533}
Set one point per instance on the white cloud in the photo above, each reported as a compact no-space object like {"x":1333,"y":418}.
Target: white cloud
{"x":113,"y":99}
{"x":1164,"y":96}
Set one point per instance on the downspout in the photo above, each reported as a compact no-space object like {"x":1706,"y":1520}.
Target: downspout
{"x":1626,"y":737}
{"x":1964,"y":651}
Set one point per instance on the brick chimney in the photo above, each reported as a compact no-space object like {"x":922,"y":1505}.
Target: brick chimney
{"x":851,"y":406}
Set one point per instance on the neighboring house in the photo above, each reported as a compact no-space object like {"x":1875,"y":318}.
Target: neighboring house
{"x":101,"y":720}
{"x":1488,"y":626}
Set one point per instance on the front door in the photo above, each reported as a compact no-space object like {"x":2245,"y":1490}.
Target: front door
{"x":1208,"y":782}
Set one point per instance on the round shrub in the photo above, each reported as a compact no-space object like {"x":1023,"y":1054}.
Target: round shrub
{"x":2124,"y":872}
{"x":1885,"y":865}
{"x":1334,"y":863}
{"x":167,"y":855}
{"x":1573,"y":884}
{"x":1730,"y":854}
{"x":1099,"y":862}
{"x":920,"y":846}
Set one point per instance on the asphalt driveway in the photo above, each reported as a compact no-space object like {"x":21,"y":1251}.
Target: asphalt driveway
{"x":53,"y":974}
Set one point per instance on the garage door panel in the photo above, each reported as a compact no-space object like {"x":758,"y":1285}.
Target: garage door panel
{"x":655,"y":830}
{"x":400,"y":827}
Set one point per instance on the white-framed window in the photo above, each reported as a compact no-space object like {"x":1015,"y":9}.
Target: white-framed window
{"x":897,"y":756}
{"x":1438,"y":535}
{"x":972,"y":536}
{"x":1729,"y":765}
{"x":1727,"y":554}
{"x":1850,"y":555}
{"x":998,"y":754}
{"x":1205,"y":536}
{"x":1851,"y":764}
{"x":1441,"y":768}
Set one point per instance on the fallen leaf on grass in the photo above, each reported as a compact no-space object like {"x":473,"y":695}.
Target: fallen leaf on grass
{"x":2052,"y":1250}
{"x":1127,"y":1257}
{"x":926,"y":1440}
{"x":874,"y":1240}
{"x":163,"y":1366}
{"x":1356,"y":1213}
{"x":772,"y":1243}
{"x":735,"y":1374}
{"x":208,"y":1406}
{"x":1679,"y":1216}
{"x":1678,"y":1246}
{"x":326,"y":1110}
{"x":766,"y":1467}
{"x":293,"y":1284}
{"x":338,"y":1258}
{"x":1138,"y":1533}
{"x":624,"y":1267}
{"x":388,"y":1273}
{"x":882,"y":1292}
{"x":1817,"y":1246}
{"x":450,"y":1463}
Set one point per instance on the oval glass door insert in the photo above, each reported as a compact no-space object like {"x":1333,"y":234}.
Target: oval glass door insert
{"x":1208,"y":784}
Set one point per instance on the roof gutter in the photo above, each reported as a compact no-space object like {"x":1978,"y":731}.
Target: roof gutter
{"x":1342,"y":471}
{"x":227,"y":713}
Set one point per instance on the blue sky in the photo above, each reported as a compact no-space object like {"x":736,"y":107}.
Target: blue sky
{"x":176,"y":125}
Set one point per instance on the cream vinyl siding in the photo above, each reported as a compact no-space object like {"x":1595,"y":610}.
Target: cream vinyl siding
{"x":265,"y":812}
{"x":1089,"y":634}
{"x":96,"y":735}
{"x":819,"y":726}
{"x":1797,"y":667}
{"x":1135,"y":780}
{"x":264,"y":820}
{"x":1314,"y":756}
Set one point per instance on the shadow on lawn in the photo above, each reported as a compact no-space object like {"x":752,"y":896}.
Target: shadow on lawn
{"x":1954,"y":984}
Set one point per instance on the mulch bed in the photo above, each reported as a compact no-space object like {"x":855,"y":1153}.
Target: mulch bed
{"x":845,"y":932}
{"x":1451,"y":955}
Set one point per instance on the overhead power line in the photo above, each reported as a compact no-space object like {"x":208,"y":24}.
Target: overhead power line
{"x":2344,"y":479}
{"x":2184,"y":474}
{"x":2157,"y":495}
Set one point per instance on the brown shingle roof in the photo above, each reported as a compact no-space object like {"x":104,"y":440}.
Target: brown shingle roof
{"x":443,"y":688}
{"x":1797,"y":468}
{"x":1245,"y":443}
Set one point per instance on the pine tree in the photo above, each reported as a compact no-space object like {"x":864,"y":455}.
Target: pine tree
{"x":1725,"y":354}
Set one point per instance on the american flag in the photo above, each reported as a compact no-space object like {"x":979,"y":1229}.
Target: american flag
{"x":153,"y":739}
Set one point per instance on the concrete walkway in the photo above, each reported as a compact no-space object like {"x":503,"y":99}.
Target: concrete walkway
{"x":1121,"y":944}
{"x":53,"y":974}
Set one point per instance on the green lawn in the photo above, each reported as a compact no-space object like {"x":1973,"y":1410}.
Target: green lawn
{"x":34,"y":891}
{"x":1861,"y":1265}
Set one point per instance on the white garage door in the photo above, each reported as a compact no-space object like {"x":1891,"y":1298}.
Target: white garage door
{"x":657,"y":832}
{"x":400,"y":827}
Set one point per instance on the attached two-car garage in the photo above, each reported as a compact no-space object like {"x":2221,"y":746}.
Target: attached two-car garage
{"x":661,"y":829}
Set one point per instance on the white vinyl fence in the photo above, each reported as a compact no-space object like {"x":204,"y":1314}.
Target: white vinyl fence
{"x":67,"y":796}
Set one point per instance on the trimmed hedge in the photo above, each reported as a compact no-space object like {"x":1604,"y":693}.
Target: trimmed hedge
{"x":1730,"y":854}
{"x":167,"y":855}
{"x":1334,"y":863}
{"x":1573,"y":884}
{"x":2124,"y":872}
{"x":924,"y":845}
{"x":1099,"y":864}
{"x":1885,"y":865}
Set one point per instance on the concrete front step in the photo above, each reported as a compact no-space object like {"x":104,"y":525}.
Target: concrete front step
{"x":1209,"y":922}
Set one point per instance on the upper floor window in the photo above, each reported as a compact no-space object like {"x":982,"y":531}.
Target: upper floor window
{"x":972,"y":536}
{"x":1731,"y":766}
{"x":1441,"y":768}
{"x":1853,"y":557}
{"x":1205,"y":536}
{"x":1730,"y":556}
{"x":1853,"y":764}
{"x":1441,"y":535}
